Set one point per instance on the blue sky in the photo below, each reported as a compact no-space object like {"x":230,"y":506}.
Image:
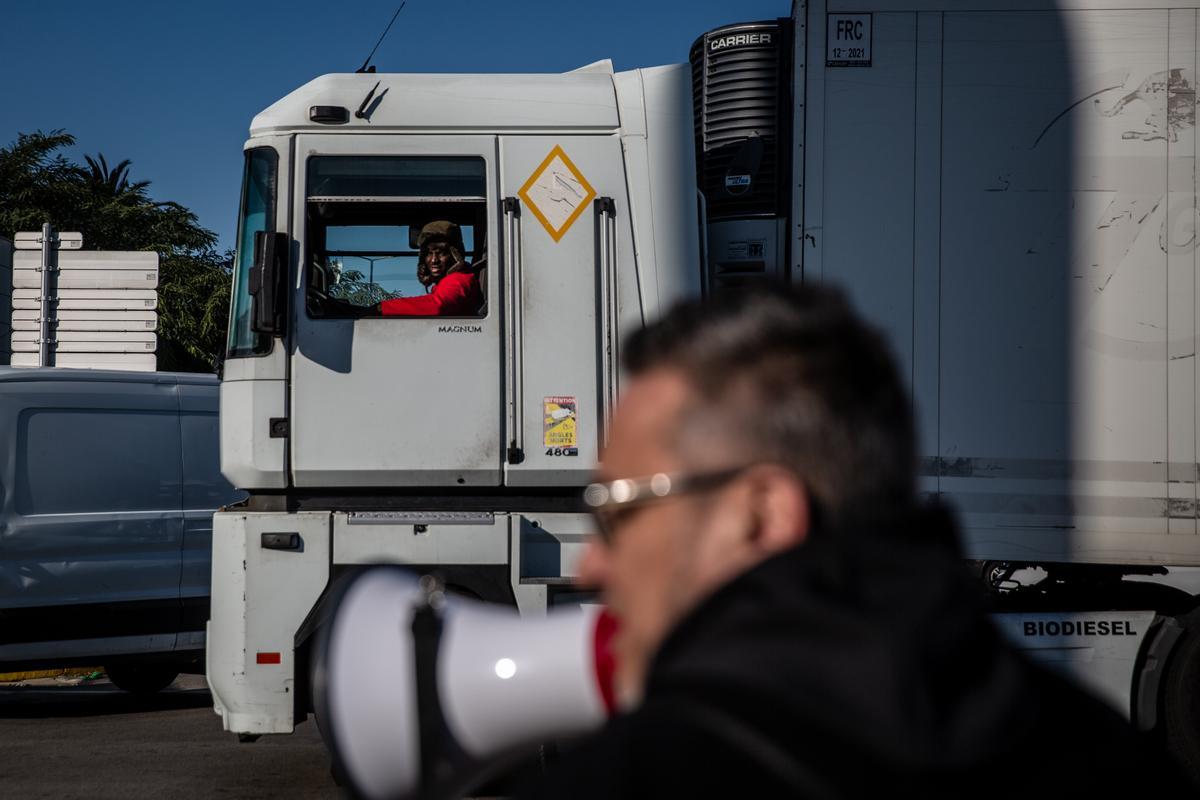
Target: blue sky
{"x":173,"y":85}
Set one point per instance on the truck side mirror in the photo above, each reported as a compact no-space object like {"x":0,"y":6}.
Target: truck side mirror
{"x":268,"y":283}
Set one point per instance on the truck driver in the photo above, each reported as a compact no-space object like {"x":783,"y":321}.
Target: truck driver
{"x":451,"y":285}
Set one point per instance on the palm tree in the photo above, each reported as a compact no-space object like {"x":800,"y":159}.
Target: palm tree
{"x":114,"y":183}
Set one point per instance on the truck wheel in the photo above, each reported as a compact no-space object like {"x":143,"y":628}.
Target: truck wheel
{"x":994,"y":574}
{"x":142,"y":678}
{"x":1181,"y":706}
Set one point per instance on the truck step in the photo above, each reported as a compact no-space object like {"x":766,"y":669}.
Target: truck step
{"x":556,"y":580}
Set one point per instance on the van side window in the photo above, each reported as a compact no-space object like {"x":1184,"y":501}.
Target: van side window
{"x":364,"y":221}
{"x":116,"y":461}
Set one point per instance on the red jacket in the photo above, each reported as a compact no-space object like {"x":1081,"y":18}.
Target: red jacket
{"x":456,"y":295}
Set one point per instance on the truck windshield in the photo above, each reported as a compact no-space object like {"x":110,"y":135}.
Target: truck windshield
{"x":257,"y":214}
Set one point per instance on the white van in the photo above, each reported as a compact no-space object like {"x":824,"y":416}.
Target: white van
{"x":108,"y":484}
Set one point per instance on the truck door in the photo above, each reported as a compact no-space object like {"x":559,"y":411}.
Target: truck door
{"x":563,"y":201}
{"x":393,"y":400}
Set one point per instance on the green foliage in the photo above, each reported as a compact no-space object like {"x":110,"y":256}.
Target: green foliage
{"x":354,"y":288}
{"x":39,"y":184}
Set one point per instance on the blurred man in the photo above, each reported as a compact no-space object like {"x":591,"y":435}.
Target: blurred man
{"x":792,"y":621}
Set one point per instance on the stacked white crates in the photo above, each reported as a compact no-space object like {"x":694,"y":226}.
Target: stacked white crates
{"x":104,"y":307}
{"x":6,"y":250}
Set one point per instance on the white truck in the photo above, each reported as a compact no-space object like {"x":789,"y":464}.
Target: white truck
{"x":457,"y":444}
{"x":1010,"y":194}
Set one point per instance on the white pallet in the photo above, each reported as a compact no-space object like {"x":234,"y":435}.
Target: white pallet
{"x":100,"y":299}
{"x":134,"y":362}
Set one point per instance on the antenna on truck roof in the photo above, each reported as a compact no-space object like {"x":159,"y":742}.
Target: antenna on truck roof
{"x":364,"y":67}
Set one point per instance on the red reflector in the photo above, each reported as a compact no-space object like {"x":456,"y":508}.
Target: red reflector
{"x":268,"y":658}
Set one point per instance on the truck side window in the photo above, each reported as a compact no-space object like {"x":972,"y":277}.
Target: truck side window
{"x":364,"y":217}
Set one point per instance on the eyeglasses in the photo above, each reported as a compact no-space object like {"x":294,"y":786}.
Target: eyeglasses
{"x":612,"y":501}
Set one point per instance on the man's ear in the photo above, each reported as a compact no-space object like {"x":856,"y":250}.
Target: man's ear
{"x":782,"y":508}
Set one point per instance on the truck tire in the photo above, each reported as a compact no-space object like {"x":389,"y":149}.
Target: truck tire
{"x":142,"y":678}
{"x":1181,"y":706}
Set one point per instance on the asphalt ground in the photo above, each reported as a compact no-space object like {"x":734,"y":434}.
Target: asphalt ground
{"x":68,"y":738}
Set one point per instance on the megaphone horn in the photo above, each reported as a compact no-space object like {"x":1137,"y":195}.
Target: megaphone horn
{"x":418,"y":690}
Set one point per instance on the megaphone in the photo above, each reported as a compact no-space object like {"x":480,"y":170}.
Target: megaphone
{"x":419,"y":694}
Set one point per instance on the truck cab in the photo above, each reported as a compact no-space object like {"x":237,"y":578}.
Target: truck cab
{"x":456,"y":443}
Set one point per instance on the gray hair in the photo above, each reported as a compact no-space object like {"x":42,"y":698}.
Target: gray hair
{"x":790,"y":376}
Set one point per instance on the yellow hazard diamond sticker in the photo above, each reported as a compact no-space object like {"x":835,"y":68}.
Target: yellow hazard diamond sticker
{"x":557,"y":193}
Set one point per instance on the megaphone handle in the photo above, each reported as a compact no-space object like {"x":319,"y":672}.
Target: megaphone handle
{"x":439,"y":752}
{"x":427,"y":634}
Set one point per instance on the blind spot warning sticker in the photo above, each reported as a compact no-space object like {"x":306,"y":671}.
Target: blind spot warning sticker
{"x":560,"y":426}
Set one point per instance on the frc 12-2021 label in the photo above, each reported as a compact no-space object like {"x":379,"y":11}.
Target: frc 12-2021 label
{"x":848,"y":40}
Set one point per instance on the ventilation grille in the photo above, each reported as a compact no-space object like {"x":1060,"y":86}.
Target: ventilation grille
{"x":740,"y":92}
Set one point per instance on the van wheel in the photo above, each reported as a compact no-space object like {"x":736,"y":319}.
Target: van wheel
{"x":1181,"y":706}
{"x":142,"y":678}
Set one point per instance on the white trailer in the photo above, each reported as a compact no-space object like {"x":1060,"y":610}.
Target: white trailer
{"x":1011,"y":195}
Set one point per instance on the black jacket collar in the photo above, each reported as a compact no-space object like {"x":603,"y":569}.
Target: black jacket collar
{"x":872,"y":631}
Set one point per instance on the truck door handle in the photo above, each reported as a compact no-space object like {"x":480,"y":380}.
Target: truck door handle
{"x":281,"y":541}
{"x":607,"y":211}
{"x":515,"y":346}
